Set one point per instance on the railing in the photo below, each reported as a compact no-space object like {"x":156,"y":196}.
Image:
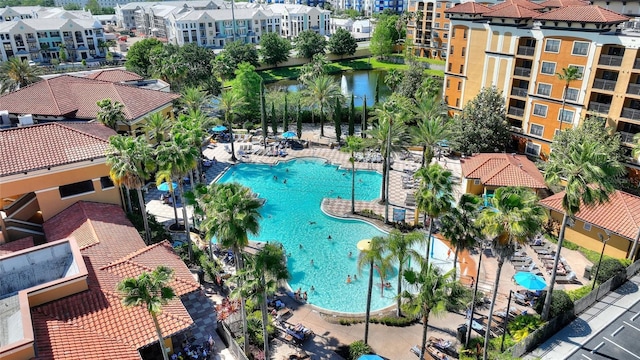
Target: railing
{"x":610,"y":60}
{"x":633,"y":89}
{"x":516,"y":111}
{"x":516,"y":91}
{"x":599,"y":107}
{"x":636,"y":64}
{"x":522,"y":71}
{"x":603,"y":84}
{"x":626,"y":137}
{"x":233,"y":346}
{"x":515,"y":129}
{"x":630,"y":113}
{"x":526,"y":50}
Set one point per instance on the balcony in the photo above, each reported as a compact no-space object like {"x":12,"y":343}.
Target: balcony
{"x":522,"y":71}
{"x":516,"y":111}
{"x":516,"y":129}
{"x":630,"y":113}
{"x":32,"y":40}
{"x":610,"y":60}
{"x":599,"y":107}
{"x":521,"y":92}
{"x":633,"y":89}
{"x":626,"y":137}
{"x":602,"y":84}
{"x":636,"y":64}
{"x":526,"y":50}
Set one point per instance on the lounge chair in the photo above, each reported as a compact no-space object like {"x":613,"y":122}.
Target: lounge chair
{"x":569,"y":279}
{"x":529,"y":267}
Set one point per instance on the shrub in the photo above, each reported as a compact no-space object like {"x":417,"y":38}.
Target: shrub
{"x":608,"y":269}
{"x":560,"y":303}
{"x":158,"y":231}
{"x":522,"y":325}
{"x":579,"y":293}
{"x":248,"y":125}
{"x":359,"y":348}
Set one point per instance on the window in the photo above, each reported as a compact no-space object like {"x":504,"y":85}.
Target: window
{"x":460,"y":86}
{"x":78,"y":188}
{"x":448,"y":69}
{"x":580,"y":48}
{"x":453,"y":32}
{"x":464,"y":51}
{"x":572,"y":94}
{"x":457,"y":102}
{"x":540,"y":110}
{"x":461,"y":69}
{"x":544,"y":89}
{"x":536,"y":130}
{"x":451,"y":50}
{"x":580,"y":70}
{"x":532,"y":149}
{"x":437,"y":15}
{"x":448,"y":83}
{"x":106,"y":183}
{"x":552,"y":45}
{"x":548,"y":68}
{"x":464,"y":34}
{"x":476,"y":181}
{"x":566,"y":116}
{"x":445,"y":35}
{"x":587,"y":226}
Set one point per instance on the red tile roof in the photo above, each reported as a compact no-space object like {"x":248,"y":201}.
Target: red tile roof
{"x":114,"y":76}
{"x":46,"y":145}
{"x":498,"y":169}
{"x":16,"y":245}
{"x":563,"y":3}
{"x":620,"y":215}
{"x":76,"y":97}
{"x":94,"y":324}
{"x":468,"y":8}
{"x":586,"y":14}
{"x":522,"y":3}
{"x":93,"y":128}
{"x":514,"y":11}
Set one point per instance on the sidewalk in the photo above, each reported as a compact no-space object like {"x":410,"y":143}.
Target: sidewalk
{"x":590,"y":323}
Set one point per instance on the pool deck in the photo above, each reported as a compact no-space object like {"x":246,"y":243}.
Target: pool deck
{"x":390,"y":342}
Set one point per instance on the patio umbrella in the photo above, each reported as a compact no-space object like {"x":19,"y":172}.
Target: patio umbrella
{"x":165,"y":186}
{"x":530,"y":281}
{"x":370,"y":357}
{"x":219,"y":128}
{"x":289,"y":135}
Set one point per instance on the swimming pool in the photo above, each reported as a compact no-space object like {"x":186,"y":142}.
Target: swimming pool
{"x":292,"y":216}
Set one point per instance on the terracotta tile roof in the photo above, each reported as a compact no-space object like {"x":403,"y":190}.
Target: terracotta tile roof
{"x":114,"y":76}
{"x":522,"y":3}
{"x":620,"y":215}
{"x":498,"y":169}
{"x":563,"y":3}
{"x":46,"y":145}
{"x":94,"y":323}
{"x":94,"y":128}
{"x":586,"y":14}
{"x":514,"y":11}
{"x":16,"y":245}
{"x":468,"y":8}
{"x":75,"y":97}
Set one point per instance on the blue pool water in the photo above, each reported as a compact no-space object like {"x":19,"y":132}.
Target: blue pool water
{"x":292,"y":216}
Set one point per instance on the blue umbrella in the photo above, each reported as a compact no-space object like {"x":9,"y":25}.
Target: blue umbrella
{"x":165,"y":186}
{"x":530,"y":281}
{"x":219,"y":128}
{"x":443,"y":143}
{"x":289,"y":135}
{"x":370,"y":357}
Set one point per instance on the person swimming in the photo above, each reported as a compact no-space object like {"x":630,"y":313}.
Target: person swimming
{"x":350,"y":254}
{"x":348,"y":279}
{"x":312,"y":222}
{"x":329,"y":237}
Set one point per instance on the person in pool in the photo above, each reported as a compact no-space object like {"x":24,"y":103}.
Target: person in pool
{"x":348,"y":279}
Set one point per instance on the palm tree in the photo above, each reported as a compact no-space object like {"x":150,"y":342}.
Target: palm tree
{"x":194,"y":99}
{"x":321,"y":91}
{"x":194,"y":125}
{"x":111,"y":113}
{"x":434,"y":196}
{"x":260,"y":278}
{"x":431,"y":126}
{"x":513,"y":216}
{"x":428,"y":294}
{"x":157,"y":125}
{"x":230,"y":102}
{"x":400,"y":247}
{"x":459,"y":228}
{"x":232,"y":212}
{"x":16,"y":73}
{"x":372,"y":257}
{"x":152,"y":291}
{"x":131,"y":163}
{"x":353,"y":145}
{"x":568,"y":75}
{"x":589,"y":175}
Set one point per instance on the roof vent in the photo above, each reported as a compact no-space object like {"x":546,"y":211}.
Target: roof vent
{"x":24,"y":120}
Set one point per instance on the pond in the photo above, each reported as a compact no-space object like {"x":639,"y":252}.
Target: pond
{"x":358,"y":82}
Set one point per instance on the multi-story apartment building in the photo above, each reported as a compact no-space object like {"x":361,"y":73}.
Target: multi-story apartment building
{"x":132,"y":15}
{"x":428,"y":28}
{"x":298,"y":18}
{"x":520,"y":47}
{"x":102,"y":3}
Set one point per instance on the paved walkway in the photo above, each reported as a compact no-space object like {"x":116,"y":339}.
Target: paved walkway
{"x":588,"y":324}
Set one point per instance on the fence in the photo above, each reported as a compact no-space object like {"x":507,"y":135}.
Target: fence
{"x":232,"y":345}
{"x":554,"y":325}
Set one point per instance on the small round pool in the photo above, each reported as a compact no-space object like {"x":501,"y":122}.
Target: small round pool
{"x":318,"y":245}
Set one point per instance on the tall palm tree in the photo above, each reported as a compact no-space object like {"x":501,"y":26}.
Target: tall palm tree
{"x":459,"y":228}
{"x":194,"y":125}
{"x":568,"y":75}
{"x":152,"y":291}
{"x":428,"y":294}
{"x":400,"y":248}
{"x":589,"y":176}
{"x":157,"y":125}
{"x":232,"y":213}
{"x":230,"y":102}
{"x":431,"y":125}
{"x":513,"y":217}
{"x":16,"y":73}
{"x":353,"y":145}
{"x":111,"y":113}
{"x":194,"y":99}
{"x":372,"y":257}
{"x":321,"y":91}
{"x":260,"y":278}
{"x":434,"y":196}
{"x":131,"y":162}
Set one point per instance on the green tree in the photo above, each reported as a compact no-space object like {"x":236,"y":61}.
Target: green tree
{"x":93,"y":6}
{"x":352,"y":117}
{"x":274,"y":49}
{"x":568,"y":75}
{"x":459,"y":228}
{"x":233,"y":54}
{"x":285,"y":120}
{"x":263,"y":115}
{"x":230,"y":102}
{"x":589,"y":176}
{"x":590,"y":130}
{"x":352,"y":145}
{"x":321,"y":91}
{"x":157,"y":126}
{"x":337,"y":119}
{"x":512,"y":217}
{"x":232,"y":213}
{"x":247,"y":85}
{"x":298,"y":122}
{"x":16,"y":73}
{"x":384,"y":36}
{"x":363,"y":125}
{"x":111,"y":113}
{"x":319,"y":65}
{"x":373,"y":257}
{"x":167,"y":65}
{"x":72,"y":6}
{"x":393,"y":79}
{"x":195,"y":125}
{"x":411,"y":83}
{"x":342,"y":43}
{"x":400,"y":252}
{"x":309,"y":43}
{"x":139,"y":54}
{"x":151,"y":290}
{"x":130,"y":161}
{"x":432,"y":126}
{"x":62,"y":53}
{"x":194,"y":99}
{"x":199,"y":62}
{"x":274,"y":120}
{"x":483,"y":126}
